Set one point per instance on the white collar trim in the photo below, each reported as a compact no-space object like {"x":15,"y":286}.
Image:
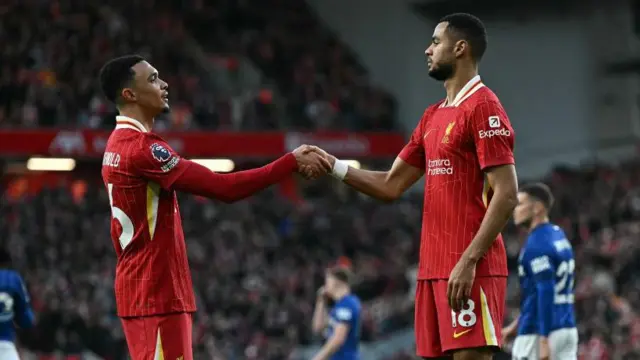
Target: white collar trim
{"x":125,"y":122}
{"x":467,"y":90}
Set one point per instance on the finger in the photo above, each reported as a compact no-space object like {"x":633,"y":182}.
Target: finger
{"x":460,"y":297}
{"x":326,"y":164}
{"x":467,"y":292}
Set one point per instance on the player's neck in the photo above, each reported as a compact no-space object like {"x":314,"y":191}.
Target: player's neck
{"x":138,"y":114}
{"x":340,"y":294}
{"x":537,"y":222}
{"x":454,"y":85}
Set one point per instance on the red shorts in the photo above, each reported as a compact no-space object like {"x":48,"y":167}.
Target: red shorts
{"x":439,"y":330}
{"x":159,"y":337}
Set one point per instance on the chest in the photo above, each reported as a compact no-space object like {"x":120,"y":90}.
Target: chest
{"x":447,"y":133}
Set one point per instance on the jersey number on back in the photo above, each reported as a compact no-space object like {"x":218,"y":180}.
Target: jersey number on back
{"x":127,"y":225}
{"x":564,"y":283}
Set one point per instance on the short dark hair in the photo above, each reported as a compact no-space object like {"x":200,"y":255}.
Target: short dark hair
{"x":116,"y":74}
{"x":540,"y":192}
{"x":470,"y":29}
{"x":341,"y":273}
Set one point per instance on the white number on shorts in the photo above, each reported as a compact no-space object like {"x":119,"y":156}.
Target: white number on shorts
{"x":564,"y":282}
{"x":127,"y":225}
{"x":466,"y":317}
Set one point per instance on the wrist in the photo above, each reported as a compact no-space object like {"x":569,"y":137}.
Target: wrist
{"x":340,"y":169}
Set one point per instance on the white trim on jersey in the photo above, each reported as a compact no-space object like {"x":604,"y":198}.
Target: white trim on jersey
{"x":467,"y":90}
{"x":125,"y":122}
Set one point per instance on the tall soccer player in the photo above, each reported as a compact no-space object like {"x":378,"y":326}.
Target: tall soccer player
{"x":341,"y":323}
{"x":153,"y":288}
{"x":546,"y":326}
{"x":464,"y":145}
{"x":15,"y":308}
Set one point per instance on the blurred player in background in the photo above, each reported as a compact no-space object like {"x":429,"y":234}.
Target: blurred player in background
{"x":341,"y":323}
{"x":15,"y":309}
{"x":546,"y":326}
{"x":153,"y":288}
{"x":464,"y":145}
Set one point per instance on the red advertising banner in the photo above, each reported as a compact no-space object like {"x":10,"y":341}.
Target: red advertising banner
{"x":91,"y":143}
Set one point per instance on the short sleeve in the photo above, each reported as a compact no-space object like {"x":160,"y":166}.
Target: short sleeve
{"x":156,"y":161}
{"x":344,"y":314}
{"x":539,"y":264}
{"x":493,"y":135}
{"x":413,"y":152}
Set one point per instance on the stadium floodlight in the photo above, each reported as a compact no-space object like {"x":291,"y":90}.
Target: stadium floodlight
{"x":51,"y":164}
{"x":217,"y":165}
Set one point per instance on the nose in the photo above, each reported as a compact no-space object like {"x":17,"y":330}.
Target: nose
{"x":164,"y":86}
{"x":428,"y":51}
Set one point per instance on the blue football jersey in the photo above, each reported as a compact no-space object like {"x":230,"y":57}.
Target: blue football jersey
{"x":346,"y":310}
{"x":546,"y":268}
{"x":15,"y":308}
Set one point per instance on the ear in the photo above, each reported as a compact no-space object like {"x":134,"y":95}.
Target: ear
{"x":128,"y":94}
{"x":460,"y":47}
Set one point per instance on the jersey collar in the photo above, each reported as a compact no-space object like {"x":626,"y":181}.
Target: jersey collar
{"x":467,"y":90}
{"x":125,"y":122}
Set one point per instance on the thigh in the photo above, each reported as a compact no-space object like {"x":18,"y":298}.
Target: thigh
{"x":475,"y":326}
{"x":426,"y":322}
{"x":159,"y":337}
{"x":563,"y":344}
{"x":525,"y":347}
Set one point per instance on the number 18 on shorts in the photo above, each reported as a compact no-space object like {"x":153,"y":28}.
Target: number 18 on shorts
{"x":439,"y":329}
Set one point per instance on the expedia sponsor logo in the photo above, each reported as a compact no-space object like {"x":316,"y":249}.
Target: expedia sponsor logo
{"x":439,"y":167}
{"x":491,"y":133}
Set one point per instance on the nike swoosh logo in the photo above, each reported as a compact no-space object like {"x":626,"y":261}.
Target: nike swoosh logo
{"x":457,"y":335}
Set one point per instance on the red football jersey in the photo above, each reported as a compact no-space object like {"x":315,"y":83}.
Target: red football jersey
{"x":454,"y":143}
{"x":152,"y":273}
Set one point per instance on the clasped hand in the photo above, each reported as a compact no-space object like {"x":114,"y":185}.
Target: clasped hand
{"x":312,"y":161}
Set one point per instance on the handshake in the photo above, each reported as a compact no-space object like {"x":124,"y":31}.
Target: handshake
{"x":313,"y":162}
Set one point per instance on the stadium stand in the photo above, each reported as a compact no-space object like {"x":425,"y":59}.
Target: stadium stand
{"x":257,"y":280}
{"x":53,"y":51}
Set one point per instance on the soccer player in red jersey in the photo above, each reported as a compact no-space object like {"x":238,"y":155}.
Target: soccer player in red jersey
{"x":153,"y":288}
{"x":464,"y":146}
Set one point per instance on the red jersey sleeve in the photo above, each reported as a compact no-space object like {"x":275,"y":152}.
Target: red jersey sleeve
{"x":492,"y":134}
{"x":156,"y":161}
{"x":413,"y":152}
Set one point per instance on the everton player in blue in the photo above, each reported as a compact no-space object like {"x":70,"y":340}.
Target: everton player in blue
{"x":546,"y":327}
{"x":341,"y":323}
{"x":14,"y":307}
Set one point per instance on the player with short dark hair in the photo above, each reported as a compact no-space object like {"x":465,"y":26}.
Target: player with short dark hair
{"x":546,"y":326}
{"x":341,"y":323}
{"x":15,"y":307}
{"x":153,"y":288}
{"x":464,"y":145}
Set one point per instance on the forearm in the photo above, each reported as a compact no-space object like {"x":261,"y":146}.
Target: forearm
{"x":319,"y":317}
{"x":328,"y":349}
{"x":372,"y":183}
{"x":199,"y":180}
{"x":496,"y":217}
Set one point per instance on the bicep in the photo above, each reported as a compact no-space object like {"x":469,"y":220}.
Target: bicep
{"x":402,"y":175}
{"x":502,"y":178}
{"x":341,"y":330}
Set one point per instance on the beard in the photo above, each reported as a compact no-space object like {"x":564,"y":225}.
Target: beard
{"x":526,"y":224}
{"x":442,"y":72}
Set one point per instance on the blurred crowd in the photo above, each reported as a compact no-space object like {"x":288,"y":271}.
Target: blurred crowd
{"x":53,"y":50}
{"x":256,"y":267}
{"x":257,"y":264}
